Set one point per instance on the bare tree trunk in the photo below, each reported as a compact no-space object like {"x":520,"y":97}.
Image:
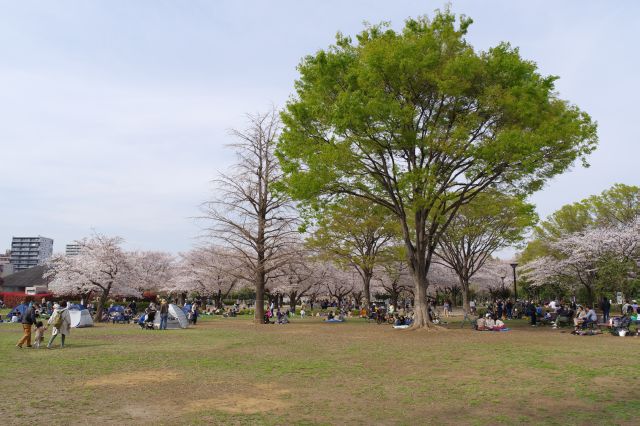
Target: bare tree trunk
{"x":293,"y":301}
{"x":101,"y":302}
{"x":259,"y":308}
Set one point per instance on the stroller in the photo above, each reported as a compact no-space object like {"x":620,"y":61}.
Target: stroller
{"x":146,"y":321}
{"x":620,"y":325}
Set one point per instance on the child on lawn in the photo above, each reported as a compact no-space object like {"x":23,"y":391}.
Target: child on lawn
{"x":40,"y":328}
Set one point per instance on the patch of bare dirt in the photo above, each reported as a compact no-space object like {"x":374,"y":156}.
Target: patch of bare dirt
{"x":136,"y":378}
{"x":268,"y":398}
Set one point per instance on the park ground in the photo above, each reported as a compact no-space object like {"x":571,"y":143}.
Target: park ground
{"x":229,"y":371}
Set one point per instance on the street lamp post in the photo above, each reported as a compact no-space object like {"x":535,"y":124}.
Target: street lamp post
{"x":515,"y":288}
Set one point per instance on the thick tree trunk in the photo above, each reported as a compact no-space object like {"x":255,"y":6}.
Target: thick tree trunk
{"x":366,"y":282}
{"x":421,"y":317}
{"x":465,"y":296}
{"x":293,"y":301}
{"x":101,"y":302}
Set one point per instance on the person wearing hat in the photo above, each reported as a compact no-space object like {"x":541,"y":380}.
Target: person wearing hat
{"x":61,"y":321}
{"x":164,"y":314}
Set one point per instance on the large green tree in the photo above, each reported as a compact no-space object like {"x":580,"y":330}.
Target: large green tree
{"x":355,"y":233}
{"x":491,"y":221}
{"x":420,"y":123}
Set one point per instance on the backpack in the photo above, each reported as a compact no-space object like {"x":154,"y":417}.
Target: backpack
{"x":57,"y":323}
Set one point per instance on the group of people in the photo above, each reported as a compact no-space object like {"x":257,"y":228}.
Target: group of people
{"x":490,"y":323}
{"x":59,"y":321}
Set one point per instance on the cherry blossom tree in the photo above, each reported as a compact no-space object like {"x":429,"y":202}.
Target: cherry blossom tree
{"x":208,"y":271}
{"x":300,"y":277}
{"x":152,"y":270}
{"x":101,"y":267}
{"x":577,"y":256}
{"x":339,"y":283}
{"x":394,"y":279}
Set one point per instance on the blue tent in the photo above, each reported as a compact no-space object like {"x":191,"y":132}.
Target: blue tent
{"x":76,"y":307}
{"x":22,"y":308}
{"x":116,"y":308}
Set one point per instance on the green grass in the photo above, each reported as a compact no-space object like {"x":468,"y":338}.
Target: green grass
{"x":229,"y":371}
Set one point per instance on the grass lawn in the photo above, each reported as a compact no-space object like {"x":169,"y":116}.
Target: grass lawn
{"x":229,"y":371}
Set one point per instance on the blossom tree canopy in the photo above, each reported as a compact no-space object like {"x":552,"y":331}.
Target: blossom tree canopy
{"x":206,"y":271}
{"x":577,"y":256}
{"x":101,"y":267}
{"x":152,"y":270}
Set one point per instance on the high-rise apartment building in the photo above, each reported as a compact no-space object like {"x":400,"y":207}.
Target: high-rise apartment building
{"x":72,"y":249}
{"x":27,"y":252}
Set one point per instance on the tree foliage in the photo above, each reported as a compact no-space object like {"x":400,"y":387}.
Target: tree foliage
{"x":420,"y":123}
{"x":490,"y":222}
{"x":357,"y":233}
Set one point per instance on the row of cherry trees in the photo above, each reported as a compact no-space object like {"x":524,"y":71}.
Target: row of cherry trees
{"x":255,"y":236}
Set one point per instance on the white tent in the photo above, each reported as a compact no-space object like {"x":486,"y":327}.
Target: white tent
{"x":80,"y":318}
{"x":177,"y":318}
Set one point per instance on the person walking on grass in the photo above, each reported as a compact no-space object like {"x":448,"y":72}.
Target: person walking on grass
{"x":28,"y":320}
{"x":164,"y":314}
{"x":61,"y":321}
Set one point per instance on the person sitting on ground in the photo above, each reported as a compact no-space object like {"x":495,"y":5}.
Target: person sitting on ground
{"x":15,"y":317}
{"x":579,"y":318}
{"x":481,"y":324}
{"x":499,"y":325}
{"x":590,"y":318}
{"x":489,"y":322}
{"x":330,"y":316}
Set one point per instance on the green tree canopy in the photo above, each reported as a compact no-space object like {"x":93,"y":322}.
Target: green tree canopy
{"x":355,"y":233}
{"x":419,"y":122}
{"x":491,"y":221}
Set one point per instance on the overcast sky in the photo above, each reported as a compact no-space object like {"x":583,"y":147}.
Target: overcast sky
{"x":114,"y":114}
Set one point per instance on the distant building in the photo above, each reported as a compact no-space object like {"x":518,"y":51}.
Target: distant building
{"x":27,"y":252}
{"x":6,"y":269}
{"x":5,"y":258}
{"x":72,"y":249}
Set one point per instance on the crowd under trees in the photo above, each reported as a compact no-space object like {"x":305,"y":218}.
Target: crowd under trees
{"x":399,"y":167}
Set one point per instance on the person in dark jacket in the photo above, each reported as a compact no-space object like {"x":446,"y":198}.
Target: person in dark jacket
{"x":605,"y":305}
{"x":28,"y":319}
{"x":533,"y":313}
